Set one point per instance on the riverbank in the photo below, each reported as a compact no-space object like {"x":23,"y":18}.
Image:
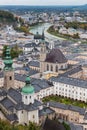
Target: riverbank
{"x":55,"y":33}
{"x":51,"y":36}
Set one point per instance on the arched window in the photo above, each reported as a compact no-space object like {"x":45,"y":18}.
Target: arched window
{"x":47,"y":67}
{"x":51,"y":68}
{"x":56,"y":69}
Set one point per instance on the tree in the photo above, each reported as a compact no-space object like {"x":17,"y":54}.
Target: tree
{"x":15,"y":51}
{"x":33,"y":126}
{"x":4,"y":51}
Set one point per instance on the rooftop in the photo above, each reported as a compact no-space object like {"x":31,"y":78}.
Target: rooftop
{"x":70,"y":81}
{"x":52,"y":125}
{"x":55,"y":56}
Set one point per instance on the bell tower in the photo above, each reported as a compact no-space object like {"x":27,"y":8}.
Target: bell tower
{"x":8,"y":70}
{"x":42,"y":55}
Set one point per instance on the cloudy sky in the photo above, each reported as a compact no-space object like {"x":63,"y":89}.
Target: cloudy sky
{"x":43,"y":2}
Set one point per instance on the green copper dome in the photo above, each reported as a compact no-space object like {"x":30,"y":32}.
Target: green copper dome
{"x":8,"y":61}
{"x":28,"y":88}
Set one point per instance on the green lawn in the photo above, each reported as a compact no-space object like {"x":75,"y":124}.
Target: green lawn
{"x":65,"y":101}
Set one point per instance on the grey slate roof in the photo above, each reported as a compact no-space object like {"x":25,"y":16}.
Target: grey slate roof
{"x":21,"y":68}
{"x":67,"y":107}
{"x":2,"y":92}
{"x":19,"y":106}
{"x":30,"y":107}
{"x":34,"y":63}
{"x":8,"y":104}
{"x":52,"y":125}
{"x":37,"y":103}
{"x":20,"y":77}
{"x":70,"y":81}
{"x":12,"y":117}
{"x":29,"y":45}
{"x":32,"y":72}
{"x":72,"y":71}
{"x":42,"y":83}
{"x":58,"y":105}
{"x":46,"y":111}
{"x":55,"y":56}
{"x":15,"y":95}
{"x":37,"y":88}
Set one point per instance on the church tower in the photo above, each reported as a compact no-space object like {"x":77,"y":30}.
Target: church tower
{"x":42,"y":55}
{"x":8,"y":70}
{"x":28,"y":92}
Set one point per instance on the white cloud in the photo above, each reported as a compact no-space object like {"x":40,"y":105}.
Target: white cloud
{"x":42,"y":2}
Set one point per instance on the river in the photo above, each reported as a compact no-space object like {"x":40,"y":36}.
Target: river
{"x":40,"y":27}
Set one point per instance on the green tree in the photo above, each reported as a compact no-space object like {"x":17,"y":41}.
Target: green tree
{"x":15,"y":51}
{"x":4,"y":51}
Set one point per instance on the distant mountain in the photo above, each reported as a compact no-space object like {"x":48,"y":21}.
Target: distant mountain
{"x":82,"y":7}
{"x":21,"y":9}
{"x":7,"y":18}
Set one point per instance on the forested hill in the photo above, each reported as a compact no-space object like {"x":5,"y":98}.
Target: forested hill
{"x":7,"y":18}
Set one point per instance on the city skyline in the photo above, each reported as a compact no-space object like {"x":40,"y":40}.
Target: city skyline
{"x":44,"y":2}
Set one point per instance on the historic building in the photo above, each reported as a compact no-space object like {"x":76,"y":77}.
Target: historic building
{"x":20,"y":100}
{"x":52,"y":62}
{"x":20,"y":105}
{"x":69,"y":112}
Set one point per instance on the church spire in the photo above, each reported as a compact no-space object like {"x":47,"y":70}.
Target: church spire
{"x":8,"y":70}
{"x":8,"y":60}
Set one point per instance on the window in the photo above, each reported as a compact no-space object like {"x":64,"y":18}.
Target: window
{"x":30,"y":96}
{"x":56,"y":68}
{"x":33,"y":116}
{"x":47,"y":67}
{"x":10,"y":78}
{"x":26,"y":97}
{"x":51,"y":68}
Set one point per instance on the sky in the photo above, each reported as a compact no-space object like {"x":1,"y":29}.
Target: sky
{"x":43,"y":2}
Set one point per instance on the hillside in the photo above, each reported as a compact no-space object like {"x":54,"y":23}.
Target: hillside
{"x":7,"y":18}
